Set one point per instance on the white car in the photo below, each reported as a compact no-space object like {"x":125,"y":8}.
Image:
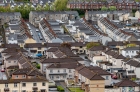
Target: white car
{"x":37,"y":30}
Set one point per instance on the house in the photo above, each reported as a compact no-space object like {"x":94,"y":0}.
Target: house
{"x":35,"y":48}
{"x":112,"y":15}
{"x":48,"y":33}
{"x":127,"y":86}
{"x":61,"y":71}
{"x":116,"y":32}
{"x":132,"y":67}
{"x":36,"y":16}
{"x":90,"y":81}
{"x":95,"y":51}
{"x":47,"y":62}
{"x":117,"y":45}
{"x":12,"y":39}
{"x":24,"y":85}
{"x":61,"y":52}
{"x":137,"y":14}
{"x":78,"y":47}
{"x":95,"y":5}
{"x":130,"y":52}
{"x":9,"y":16}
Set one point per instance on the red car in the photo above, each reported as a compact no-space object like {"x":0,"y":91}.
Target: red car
{"x":2,"y":69}
{"x":114,"y":76}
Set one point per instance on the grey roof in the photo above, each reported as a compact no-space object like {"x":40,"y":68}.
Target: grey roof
{"x":131,"y":48}
{"x":14,"y":27}
{"x":12,"y":36}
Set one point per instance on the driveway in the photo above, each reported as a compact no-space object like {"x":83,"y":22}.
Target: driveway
{"x":61,"y":83}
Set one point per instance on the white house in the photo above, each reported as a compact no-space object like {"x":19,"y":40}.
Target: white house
{"x":130,"y":52}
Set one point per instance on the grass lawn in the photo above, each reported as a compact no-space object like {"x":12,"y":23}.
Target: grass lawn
{"x":76,"y":90}
{"x":81,"y":16}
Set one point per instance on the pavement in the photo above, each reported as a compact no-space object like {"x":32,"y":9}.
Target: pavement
{"x":35,"y":33}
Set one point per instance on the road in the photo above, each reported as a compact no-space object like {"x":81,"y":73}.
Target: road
{"x":35,"y":34}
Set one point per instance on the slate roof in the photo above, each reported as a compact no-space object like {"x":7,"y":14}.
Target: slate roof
{"x":64,"y":65}
{"x":126,"y":83}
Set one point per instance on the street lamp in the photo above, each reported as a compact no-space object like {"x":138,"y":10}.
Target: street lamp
{"x":49,"y":3}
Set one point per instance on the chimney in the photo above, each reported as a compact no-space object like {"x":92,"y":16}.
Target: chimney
{"x":42,"y":43}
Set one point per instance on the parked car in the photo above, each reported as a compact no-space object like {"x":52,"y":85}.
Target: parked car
{"x":2,"y":69}
{"x":37,"y":30}
{"x":114,"y":76}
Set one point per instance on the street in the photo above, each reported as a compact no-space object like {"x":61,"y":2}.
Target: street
{"x":35,"y":34}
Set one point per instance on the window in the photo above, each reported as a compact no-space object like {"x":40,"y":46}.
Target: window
{"x":15,"y":84}
{"x":34,"y":84}
{"x":64,"y":76}
{"x":51,"y":71}
{"x":9,"y":61}
{"x":132,"y":51}
{"x":69,"y":70}
{"x":64,"y":70}
{"x":14,"y":91}
{"x":23,"y":76}
{"x":6,"y":85}
{"x":106,"y":78}
{"x":43,"y":84}
{"x":39,"y":52}
{"x":23,"y":90}
{"x":70,"y":75}
{"x":58,"y":71}
{"x":16,"y":76}
{"x":80,"y":46}
{"x":39,"y":48}
{"x":14,"y":61}
{"x":23,"y":84}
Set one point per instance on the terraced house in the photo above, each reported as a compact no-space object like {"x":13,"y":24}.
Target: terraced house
{"x":36,"y":16}
{"x":92,"y":4}
{"x":116,"y":33}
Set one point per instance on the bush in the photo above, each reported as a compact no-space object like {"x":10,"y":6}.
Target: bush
{"x":38,"y":66}
{"x":60,"y":89}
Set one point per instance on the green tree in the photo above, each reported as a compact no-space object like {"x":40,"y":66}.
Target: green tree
{"x":92,"y":44}
{"x":60,"y":5}
{"x":112,"y":8}
{"x":104,"y":8}
{"x":137,"y":0}
{"x":38,"y":66}
{"x":131,"y":45}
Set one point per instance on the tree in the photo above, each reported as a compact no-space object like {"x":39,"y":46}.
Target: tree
{"x":60,"y":5}
{"x":137,"y":0}
{"x":131,"y":45}
{"x":92,"y":44}
{"x":112,"y":8}
{"x":104,"y":8}
{"x":38,"y":66}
